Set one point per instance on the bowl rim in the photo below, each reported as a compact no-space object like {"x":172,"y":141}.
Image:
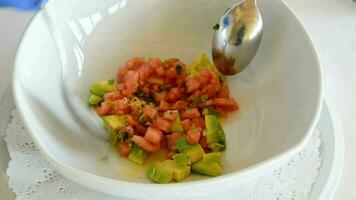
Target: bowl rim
{"x":71,"y":172}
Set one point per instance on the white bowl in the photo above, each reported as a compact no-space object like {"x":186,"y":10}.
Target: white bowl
{"x":279,"y":94}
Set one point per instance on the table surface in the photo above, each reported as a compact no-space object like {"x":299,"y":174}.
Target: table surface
{"x":332,"y":26}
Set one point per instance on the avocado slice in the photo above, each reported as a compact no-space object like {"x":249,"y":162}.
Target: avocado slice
{"x":215,"y":134}
{"x":94,"y":100}
{"x":176,"y":124}
{"x":137,"y":155}
{"x":102,"y":87}
{"x":194,"y":152}
{"x":202,"y":62}
{"x":210,"y":165}
{"x":114,"y":122}
{"x":181,"y":159}
{"x":159,"y":173}
{"x":179,"y":172}
{"x":210,"y":111}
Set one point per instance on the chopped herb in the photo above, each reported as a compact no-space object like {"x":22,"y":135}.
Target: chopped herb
{"x":111,"y":81}
{"x":179,"y":69}
{"x":216,"y":27}
{"x":201,"y":99}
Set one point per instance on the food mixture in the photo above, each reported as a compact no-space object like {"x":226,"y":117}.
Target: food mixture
{"x":154,"y":105}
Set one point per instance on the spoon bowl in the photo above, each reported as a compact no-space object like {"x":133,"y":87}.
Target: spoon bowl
{"x":237,"y":37}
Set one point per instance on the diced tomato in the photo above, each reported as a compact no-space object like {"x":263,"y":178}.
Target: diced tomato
{"x":180,"y":105}
{"x":112,"y":95}
{"x":171,"y":62}
{"x":145,"y":144}
{"x":186,"y":124}
{"x":103,"y":109}
{"x":140,"y":129}
{"x":171,"y":140}
{"x":121,"y":74}
{"x":131,"y":122}
{"x":223,"y":92}
{"x":154,"y":62}
{"x":191,"y":114}
{"x":150,"y":112}
{"x":170,"y":115}
{"x":196,"y":94}
{"x":174,"y":94}
{"x":193,"y":137}
{"x":153,"y":135}
{"x":170,"y":73}
{"x":199,"y":122}
{"x":134,"y":63}
{"x":160,"y":71}
{"x":203,"y":78}
{"x":144,"y":72}
{"x":124,"y":149}
{"x":203,"y":143}
{"x":222,"y":112}
{"x":228,"y":103}
{"x":192,"y":84}
{"x":163,"y":106}
{"x":210,"y":90}
{"x":209,"y":102}
{"x":163,"y":124}
{"x":129,"y":130}
{"x":121,"y":104}
{"x":162,"y":96}
{"x":131,"y":82}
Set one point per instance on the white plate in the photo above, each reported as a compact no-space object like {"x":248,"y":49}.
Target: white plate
{"x":332,"y":152}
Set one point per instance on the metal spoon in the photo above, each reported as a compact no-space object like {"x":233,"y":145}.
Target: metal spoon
{"x":237,"y":37}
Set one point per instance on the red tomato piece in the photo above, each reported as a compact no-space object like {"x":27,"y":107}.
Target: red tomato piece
{"x":144,"y":144}
{"x":180,"y":105}
{"x":163,"y":106}
{"x":112,"y":95}
{"x":163,"y":124}
{"x":144,"y":72}
{"x":191,"y":114}
{"x":131,"y":82}
{"x":228,"y":103}
{"x":223,"y":92}
{"x":154,"y":62}
{"x":170,"y":115}
{"x":153,"y":135}
{"x":140,"y":129}
{"x":131,"y":122}
{"x":124,"y":149}
{"x":193,"y":137}
{"x":103,"y":109}
{"x":203,"y":143}
{"x":170,"y":154}
{"x":129,"y":130}
{"x":150,"y":112}
{"x":162,"y":96}
{"x":171,"y":140}
{"x":174,"y":94}
{"x":192,"y":84}
{"x":134,"y":63}
{"x":199,"y":122}
{"x":121,"y":73}
{"x":121,"y":104}
{"x":160,"y":71}
{"x":186,"y":124}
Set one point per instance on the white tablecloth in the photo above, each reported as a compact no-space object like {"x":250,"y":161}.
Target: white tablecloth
{"x":332,"y":25}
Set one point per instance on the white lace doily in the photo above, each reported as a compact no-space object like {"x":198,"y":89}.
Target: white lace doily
{"x":32,"y":178}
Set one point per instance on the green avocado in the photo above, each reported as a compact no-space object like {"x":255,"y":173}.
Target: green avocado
{"x":177,"y":125}
{"x":137,"y":155}
{"x":102,"y":87}
{"x":114,"y":122}
{"x":94,"y":100}
{"x":181,"y":159}
{"x":179,"y":172}
{"x":210,"y":111}
{"x":202,"y":62}
{"x":215,"y":134}
{"x":210,"y":165}
{"x":159,"y":173}
{"x":194,"y":152}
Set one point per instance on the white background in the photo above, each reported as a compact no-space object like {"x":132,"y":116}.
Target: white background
{"x":332,"y":25}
